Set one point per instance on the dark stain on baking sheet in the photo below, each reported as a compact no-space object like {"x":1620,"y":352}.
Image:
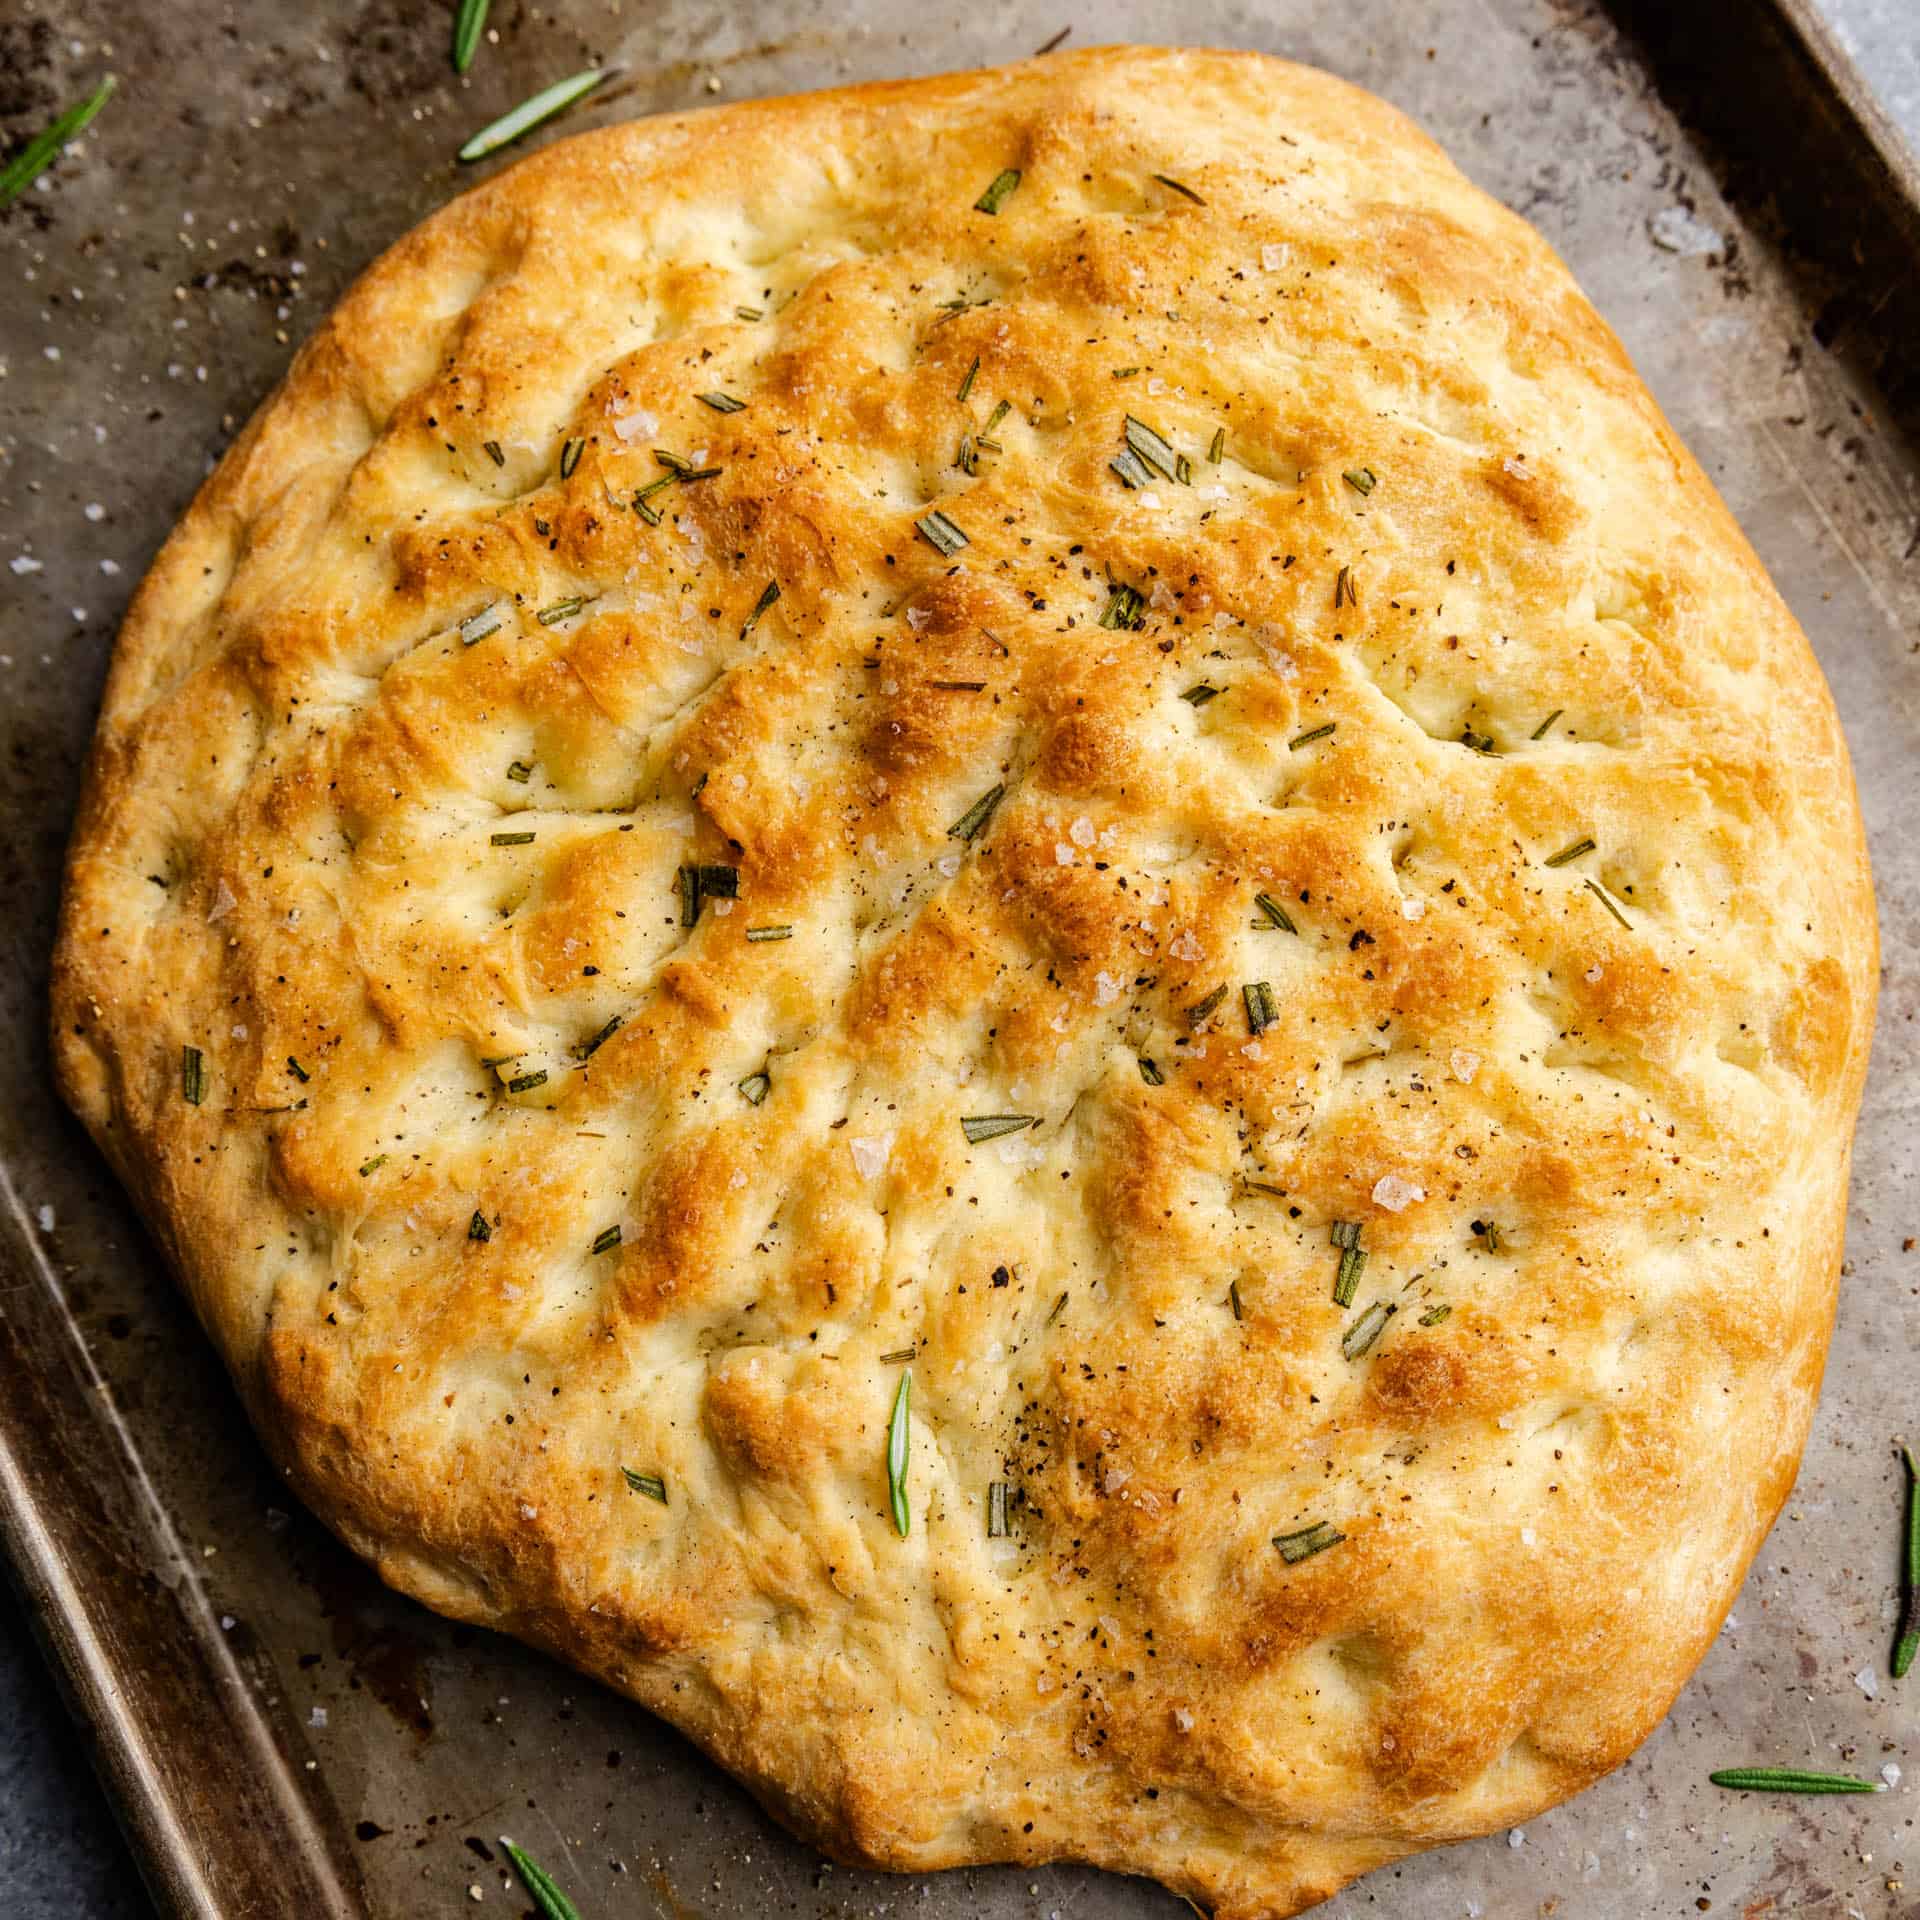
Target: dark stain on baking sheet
{"x":383,"y":1659}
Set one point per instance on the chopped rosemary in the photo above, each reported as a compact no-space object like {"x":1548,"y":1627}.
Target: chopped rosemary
{"x":586,"y":1049}
{"x":1488,"y":1232}
{"x":510,"y":839}
{"x":899,"y":1439}
{"x":940,"y":533}
{"x":1126,"y":608}
{"x":1152,"y":447}
{"x":1571,"y":851}
{"x":721,"y":402}
{"x":373,"y":1166}
{"x":757,"y":934}
{"x":999,"y":191}
{"x":1233,"y":1299}
{"x":468,"y":24}
{"x":1183,"y":469}
{"x":476,"y":626}
{"x":34,"y":158}
{"x":653,"y":1485}
{"x":561,"y":610}
{"x":999,"y":413}
{"x":1346,"y":593}
{"x":297,"y":1070}
{"x":526,"y":1082}
{"x":976,"y":816}
{"x":768,"y":595}
{"x":749,"y":313}
{"x":1312,"y":734}
{"x":958,"y":686}
{"x":530,"y":114}
{"x":1606,"y":900}
{"x":990,"y":1126}
{"x":898,"y":1357}
{"x":1277,"y":915}
{"x":1150,"y":1072}
{"x":997,"y":1510}
{"x":606,"y":1239}
{"x":553,"y":1904}
{"x":699,"y":884}
{"x":672,"y":461}
{"x":1353,"y":1261}
{"x":1434,"y":1315}
{"x":1346,"y":1233}
{"x":966,"y":385}
{"x":1788,"y":1780}
{"x":1218,"y":445}
{"x":1180,"y":187}
{"x":967,"y":459}
{"x":1367,"y":1329}
{"x":193,"y":1076}
{"x":570,"y":457}
{"x":1056,"y":1310}
{"x":1361,"y":480}
{"x":1206,"y":1007}
{"x":1541,"y":731}
{"x":1479,"y":742}
{"x":1908,"y":1643}
{"x":1303,"y":1545}
{"x":1198,"y":696}
{"x":755,"y":1087}
{"x":1261,"y":1011}
{"x":1132,"y":472}
{"x":477,"y":1227}
{"x":495,"y":452}
{"x":641,"y":502}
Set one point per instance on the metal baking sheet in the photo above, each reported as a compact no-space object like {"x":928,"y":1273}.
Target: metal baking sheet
{"x":282,"y":1737}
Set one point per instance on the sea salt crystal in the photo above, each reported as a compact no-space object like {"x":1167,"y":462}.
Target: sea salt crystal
{"x":1412,"y":907}
{"x":317,"y":1718}
{"x":1116,"y":1478}
{"x":1465,"y":1064}
{"x":1528,"y":1538}
{"x":1151,"y":500}
{"x":1183,"y":1719}
{"x":871,"y":1153}
{"x":46,"y":1218}
{"x":1185,"y":946}
{"x":948,"y":865}
{"x":1516,"y":1836}
{"x":1868,"y":1682}
{"x":1272,"y":257}
{"x":25,"y":563}
{"x":1108,"y":987}
{"x":1395,"y":1193}
{"x":1081,"y":833}
{"x":528,"y":1512}
{"x":1592,"y":976}
{"x":1062,"y":854}
{"x":1890,"y":1773}
{"x":223,"y":902}
{"x":94,"y":510}
{"x":638,"y":425}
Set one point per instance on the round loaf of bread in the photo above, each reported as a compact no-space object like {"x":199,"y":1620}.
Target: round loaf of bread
{"x":1001,"y":939}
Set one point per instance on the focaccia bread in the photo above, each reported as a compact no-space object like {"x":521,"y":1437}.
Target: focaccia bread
{"x":1152,"y":792}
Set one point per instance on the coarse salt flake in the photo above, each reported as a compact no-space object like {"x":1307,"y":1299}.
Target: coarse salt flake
{"x":1273,"y":257}
{"x":637,"y":425}
{"x":1465,"y":1063}
{"x":1108,"y":987}
{"x":1868,"y":1682}
{"x":871,"y":1153}
{"x":1395,"y":1193}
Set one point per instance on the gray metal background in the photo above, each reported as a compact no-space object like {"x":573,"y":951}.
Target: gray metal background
{"x":319,"y":1747}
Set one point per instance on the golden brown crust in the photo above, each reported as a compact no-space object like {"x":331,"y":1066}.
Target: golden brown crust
{"x":1639,"y":1066}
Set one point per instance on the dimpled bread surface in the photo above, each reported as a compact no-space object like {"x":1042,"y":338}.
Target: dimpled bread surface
{"x":1305,"y":965}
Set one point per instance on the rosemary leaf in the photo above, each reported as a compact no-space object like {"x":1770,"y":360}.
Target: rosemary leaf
{"x":757,"y":934}
{"x":370,"y":1167}
{"x":898,"y":1357}
{"x":1218,"y":446}
{"x":1198,"y":696}
{"x":586,"y":1049}
{"x":999,"y":413}
{"x":510,"y":839}
{"x":1150,"y":1072}
{"x":1434,"y":1315}
{"x":966,"y":385}
{"x":1056,"y":1310}
{"x":1571,"y":851}
{"x":1277,"y":915}
{"x":1361,"y":480}
{"x":1126,"y":608}
{"x":899,"y":1440}
{"x":1788,"y":1780}
{"x":606,"y":1239}
{"x":748,"y":313}
{"x":526,"y":1082}
{"x":755,"y":1087}
{"x":1152,"y":447}
{"x":1546,"y":726}
{"x":974,"y":820}
{"x":1366,"y":1330}
{"x":1303,"y":1545}
{"x":1233,"y":1299}
{"x":998,"y":193}
{"x":1179,"y":187}
{"x":997,"y":1510}
{"x":721,"y":402}
{"x":653,"y":1485}
{"x":768,"y":595}
{"x":519,"y":772}
{"x":530,"y":114}
{"x":551,"y":616}
{"x":477,"y":1227}
{"x":990,"y":1126}
{"x":297,"y":1070}
{"x":1346,"y":592}
{"x":193,"y":1075}
{"x":495,"y":452}
{"x":1206,"y":1007}
{"x":570,"y":457}
{"x":1132,"y":472}
{"x":1312,"y":734}
{"x":1606,"y":900}
{"x":34,"y":158}
{"x":941,"y":533}
{"x":1261,"y":1010}
{"x":468,"y":25}
{"x":476,"y":626}
{"x":553,"y":1904}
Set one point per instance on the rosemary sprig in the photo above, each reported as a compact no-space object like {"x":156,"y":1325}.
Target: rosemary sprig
{"x":940,"y":533}
{"x":990,"y":1126}
{"x":974,"y":820}
{"x":653,"y":1485}
{"x":1788,"y":1780}
{"x":899,"y":1441}
{"x":1909,"y":1641}
{"x":468,"y":25}
{"x":1304,"y":1544}
{"x":530,"y":114}
{"x":193,"y":1076}
{"x":999,"y":191}
{"x":553,"y":1904}
{"x":32,"y":160}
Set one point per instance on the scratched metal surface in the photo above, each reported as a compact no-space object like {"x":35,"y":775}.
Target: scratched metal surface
{"x":284,"y":1736}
